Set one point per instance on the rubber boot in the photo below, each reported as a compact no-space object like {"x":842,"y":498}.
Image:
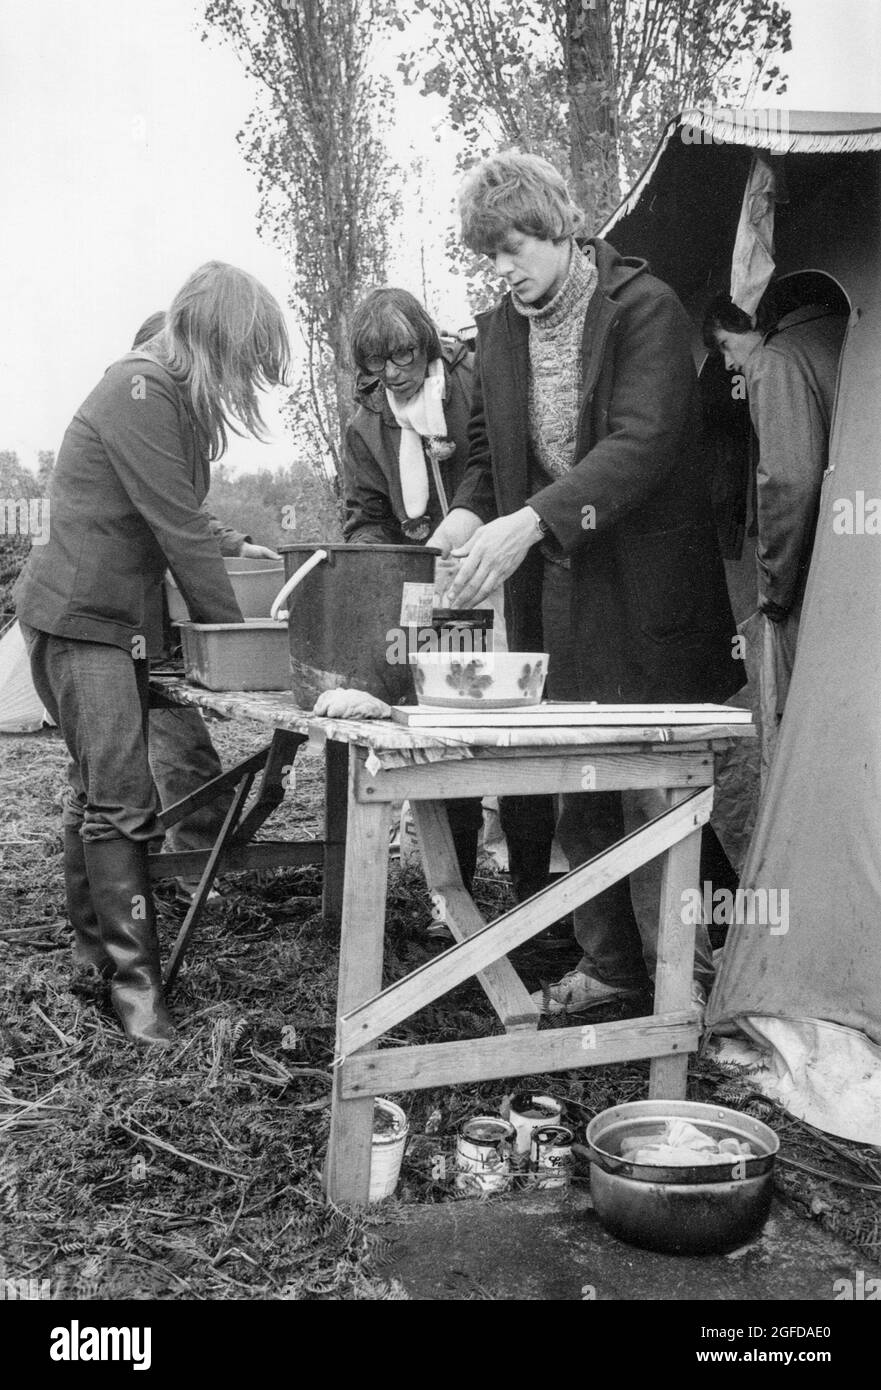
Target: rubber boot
{"x":120,"y":886}
{"x":88,"y":948}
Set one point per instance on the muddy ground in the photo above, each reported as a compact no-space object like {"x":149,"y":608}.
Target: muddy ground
{"x":196,"y":1174}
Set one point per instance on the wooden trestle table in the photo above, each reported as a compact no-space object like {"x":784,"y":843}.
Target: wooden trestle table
{"x":372,"y":764}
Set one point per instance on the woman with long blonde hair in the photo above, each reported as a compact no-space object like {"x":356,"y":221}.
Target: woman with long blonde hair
{"x":125,"y":505}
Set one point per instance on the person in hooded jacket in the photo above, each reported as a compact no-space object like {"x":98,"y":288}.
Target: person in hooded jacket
{"x":790,"y":369}
{"x":585,"y":494}
{"x":406,"y":449}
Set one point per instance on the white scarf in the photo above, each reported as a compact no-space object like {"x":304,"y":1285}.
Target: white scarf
{"x":419,"y":418}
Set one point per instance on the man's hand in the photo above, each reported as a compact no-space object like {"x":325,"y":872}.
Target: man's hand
{"x":457,"y":527}
{"x":491,"y":556}
{"x":250,"y":551}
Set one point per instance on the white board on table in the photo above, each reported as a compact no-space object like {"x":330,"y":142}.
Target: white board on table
{"x":568,"y":715}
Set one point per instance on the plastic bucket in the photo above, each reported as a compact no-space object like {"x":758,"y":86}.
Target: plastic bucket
{"x":529,"y":1111}
{"x":387,"y":1150}
{"x":349,"y":611}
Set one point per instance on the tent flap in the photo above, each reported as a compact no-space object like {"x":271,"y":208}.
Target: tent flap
{"x":21,"y":710}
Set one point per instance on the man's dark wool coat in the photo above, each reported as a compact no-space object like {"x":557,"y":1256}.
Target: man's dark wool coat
{"x":651,"y":618}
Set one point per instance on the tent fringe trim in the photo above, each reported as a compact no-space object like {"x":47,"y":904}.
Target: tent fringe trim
{"x":751,"y":129}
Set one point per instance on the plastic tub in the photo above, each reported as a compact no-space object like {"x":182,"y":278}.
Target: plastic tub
{"x":255,"y":584}
{"x":236,"y":656}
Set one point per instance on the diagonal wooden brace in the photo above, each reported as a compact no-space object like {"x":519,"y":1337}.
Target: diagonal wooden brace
{"x":227,"y":781}
{"x":467,"y":958}
{"x":273,"y":784}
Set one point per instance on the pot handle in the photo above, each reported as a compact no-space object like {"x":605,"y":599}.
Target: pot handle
{"x":276,"y":611}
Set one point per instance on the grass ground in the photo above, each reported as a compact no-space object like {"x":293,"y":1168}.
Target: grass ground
{"x":196,"y":1174}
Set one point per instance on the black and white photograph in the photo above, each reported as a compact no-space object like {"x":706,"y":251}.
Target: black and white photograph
{"x":440,"y":654}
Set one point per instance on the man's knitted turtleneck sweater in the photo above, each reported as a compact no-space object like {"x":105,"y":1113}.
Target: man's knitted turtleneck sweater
{"x":555,"y":334}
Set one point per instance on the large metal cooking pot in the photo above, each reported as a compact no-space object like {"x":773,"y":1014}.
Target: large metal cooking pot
{"x":346,"y":616}
{"x":684,"y":1211}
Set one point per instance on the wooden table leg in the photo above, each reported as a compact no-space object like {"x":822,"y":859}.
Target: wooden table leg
{"x":336,"y":776}
{"x":675,"y":968}
{"x":455,"y":906}
{"x":361,"y":942}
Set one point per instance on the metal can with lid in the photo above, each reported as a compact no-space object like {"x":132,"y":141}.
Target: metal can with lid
{"x":463,"y":631}
{"x":551,"y":1155}
{"x":483,"y":1154}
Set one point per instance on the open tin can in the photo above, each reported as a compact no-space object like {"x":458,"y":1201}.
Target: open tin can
{"x":551,"y":1155}
{"x":483,"y":1154}
{"x":463,"y":631}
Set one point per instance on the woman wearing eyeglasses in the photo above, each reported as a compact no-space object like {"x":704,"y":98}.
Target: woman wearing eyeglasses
{"x":406,"y":449}
{"x":407,"y":445}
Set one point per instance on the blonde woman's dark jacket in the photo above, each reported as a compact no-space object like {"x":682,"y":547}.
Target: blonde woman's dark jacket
{"x":125,"y":505}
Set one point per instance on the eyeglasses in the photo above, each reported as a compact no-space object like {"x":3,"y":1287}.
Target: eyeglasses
{"x":402,"y":358}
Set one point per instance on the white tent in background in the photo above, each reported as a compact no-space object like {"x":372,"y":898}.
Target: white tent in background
{"x":21,"y":710}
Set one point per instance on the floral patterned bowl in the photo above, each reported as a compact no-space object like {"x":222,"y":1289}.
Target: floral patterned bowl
{"x":488,"y":680}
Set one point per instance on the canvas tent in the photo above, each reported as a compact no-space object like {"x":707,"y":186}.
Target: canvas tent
{"x":21,"y":710}
{"x":810,"y":994}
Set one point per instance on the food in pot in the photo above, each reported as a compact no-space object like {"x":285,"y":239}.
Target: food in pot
{"x":682,"y":1145}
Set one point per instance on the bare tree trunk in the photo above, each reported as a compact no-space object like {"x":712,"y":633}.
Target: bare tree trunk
{"x":593,"y":115}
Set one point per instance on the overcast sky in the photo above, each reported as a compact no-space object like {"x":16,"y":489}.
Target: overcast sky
{"x":120,"y":174}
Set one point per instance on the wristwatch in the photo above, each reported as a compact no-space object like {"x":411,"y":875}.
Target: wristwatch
{"x":542,"y":526}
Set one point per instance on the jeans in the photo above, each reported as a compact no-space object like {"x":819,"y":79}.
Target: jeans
{"x":617,"y":930}
{"x":98,"y":696}
{"x":183,"y":759}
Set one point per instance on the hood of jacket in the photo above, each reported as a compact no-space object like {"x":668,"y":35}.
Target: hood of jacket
{"x":805,"y":313}
{"x":614,"y":270}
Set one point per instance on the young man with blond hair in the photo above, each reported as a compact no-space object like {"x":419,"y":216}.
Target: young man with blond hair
{"x":585,"y":495}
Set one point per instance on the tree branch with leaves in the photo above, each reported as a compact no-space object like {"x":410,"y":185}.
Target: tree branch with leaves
{"x":325,"y":183}
{"x":590,"y":84}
